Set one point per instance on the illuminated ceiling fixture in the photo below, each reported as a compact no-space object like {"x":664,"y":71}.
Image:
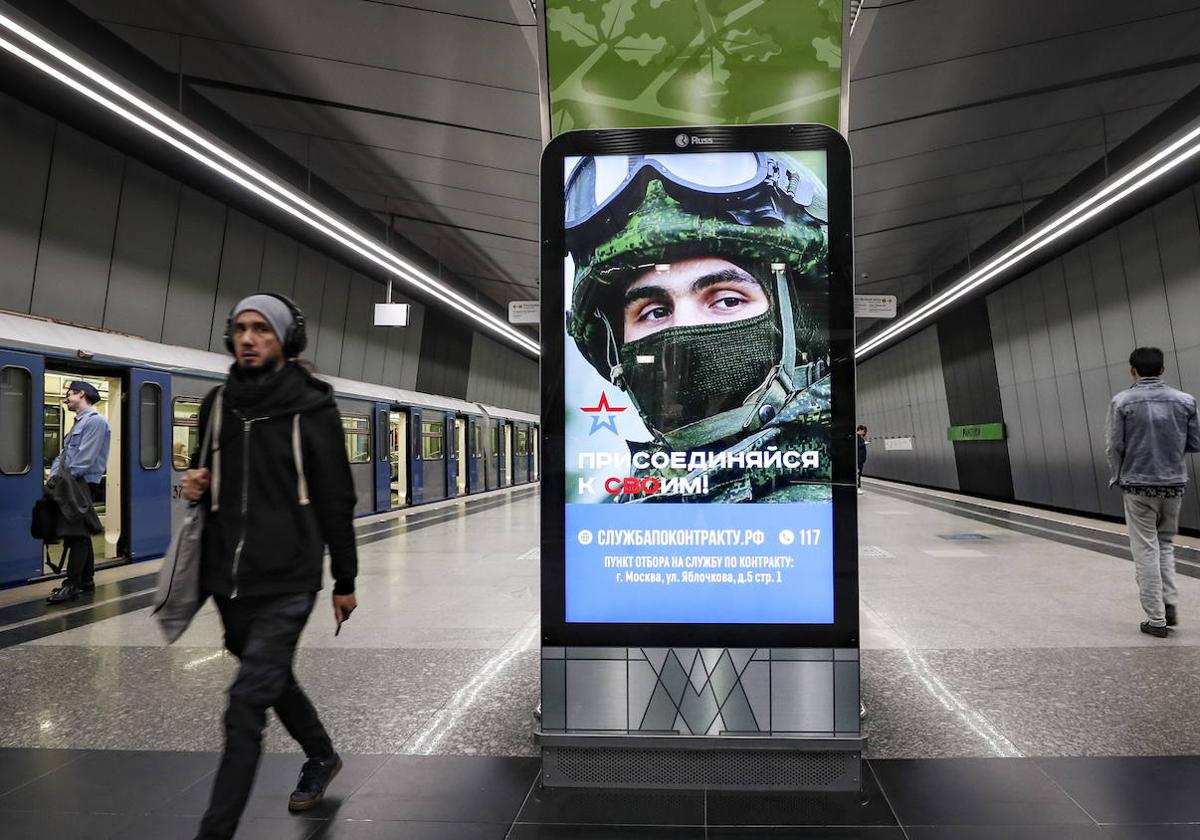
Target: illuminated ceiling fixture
{"x":1124,"y":185}
{"x":170,"y":130}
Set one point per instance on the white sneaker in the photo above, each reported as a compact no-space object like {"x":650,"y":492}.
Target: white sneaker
{"x":862,"y":492}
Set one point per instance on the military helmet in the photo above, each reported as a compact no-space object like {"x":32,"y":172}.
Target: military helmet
{"x":747,"y":207}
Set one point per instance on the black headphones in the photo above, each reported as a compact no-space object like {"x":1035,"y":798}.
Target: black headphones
{"x":293,"y":342}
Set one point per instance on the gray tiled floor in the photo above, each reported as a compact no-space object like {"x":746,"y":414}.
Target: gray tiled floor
{"x":1028,"y":649}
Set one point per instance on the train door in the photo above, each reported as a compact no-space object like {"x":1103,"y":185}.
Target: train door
{"x":521,"y":453}
{"x":398,"y":454}
{"x":453,"y":456}
{"x":383,"y":459}
{"x":433,"y":455}
{"x":495,"y":455}
{"x":21,"y":446}
{"x":416,"y":444}
{"x":476,"y":476}
{"x":57,"y":423}
{"x":498,"y":453}
{"x":507,"y":478}
{"x":463,"y":457}
{"x":149,"y":486}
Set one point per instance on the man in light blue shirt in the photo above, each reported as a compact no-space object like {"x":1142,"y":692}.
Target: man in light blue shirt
{"x":1150,"y":428}
{"x":85,"y":456}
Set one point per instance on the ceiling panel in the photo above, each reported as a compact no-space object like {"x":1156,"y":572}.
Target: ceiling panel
{"x":965,"y":113}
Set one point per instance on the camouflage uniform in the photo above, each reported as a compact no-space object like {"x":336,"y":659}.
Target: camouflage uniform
{"x":790,"y":409}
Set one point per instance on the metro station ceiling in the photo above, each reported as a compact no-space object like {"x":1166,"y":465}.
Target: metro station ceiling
{"x":423,"y":111}
{"x":963,"y":113}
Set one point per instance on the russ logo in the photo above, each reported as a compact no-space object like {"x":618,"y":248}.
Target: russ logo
{"x":603,"y":408}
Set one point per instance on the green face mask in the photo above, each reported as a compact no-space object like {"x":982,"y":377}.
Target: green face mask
{"x":698,"y":370}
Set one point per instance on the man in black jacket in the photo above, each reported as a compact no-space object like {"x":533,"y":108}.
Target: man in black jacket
{"x":279,"y":490}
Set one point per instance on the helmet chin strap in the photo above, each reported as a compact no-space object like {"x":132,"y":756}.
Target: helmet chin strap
{"x":616,"y":371}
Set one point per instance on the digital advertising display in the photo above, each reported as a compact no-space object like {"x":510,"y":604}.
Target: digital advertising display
{"x":697,"y":431}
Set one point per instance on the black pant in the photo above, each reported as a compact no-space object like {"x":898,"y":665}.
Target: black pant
{"x":262,"y":633}
{"x":80,"y":555}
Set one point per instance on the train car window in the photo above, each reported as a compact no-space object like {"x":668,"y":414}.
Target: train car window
{"x":433,"y":440}
{"x":476,"y":440}
{"x":357,"y":430}
{"x":52,"y":426}
{"x":522,"y":441}
{"x":185,"y":431}
{"x":381,"y":429}
{"x":16,"y":441}
{"x":150,"y":409}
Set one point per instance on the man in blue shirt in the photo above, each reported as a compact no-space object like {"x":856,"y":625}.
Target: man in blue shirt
{"x":85,"y":456}
{"x":1150,"y":428}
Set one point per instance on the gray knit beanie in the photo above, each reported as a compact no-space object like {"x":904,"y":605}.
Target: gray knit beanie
{"x":270,"y":307}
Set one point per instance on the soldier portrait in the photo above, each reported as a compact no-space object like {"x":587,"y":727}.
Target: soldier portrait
{"x":697,"y":290}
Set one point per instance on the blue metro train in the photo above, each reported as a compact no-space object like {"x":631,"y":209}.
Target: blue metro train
{"x":405,"y":448}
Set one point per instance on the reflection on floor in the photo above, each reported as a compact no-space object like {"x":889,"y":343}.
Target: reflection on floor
{"x":1009,"y":693}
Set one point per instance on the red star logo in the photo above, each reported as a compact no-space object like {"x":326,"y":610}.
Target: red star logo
{"x":603,"y":406}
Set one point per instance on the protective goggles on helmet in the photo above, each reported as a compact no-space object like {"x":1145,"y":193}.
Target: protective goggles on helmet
{"x":602,"y":192}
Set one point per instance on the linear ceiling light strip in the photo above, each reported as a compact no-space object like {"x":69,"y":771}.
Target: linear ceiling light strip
{"x":323,"y":221}
{"x":1112,"y":192}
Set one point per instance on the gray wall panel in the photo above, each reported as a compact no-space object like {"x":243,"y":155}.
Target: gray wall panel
{"x":192,"y":286}
{"x":278,"y":273}
{"x":1038,"y":342}
{"x":412,"y":347}
{"x":1147,"y":293}
{"x":241,"y":265}
{"x":500,"y":376}
{"x":1189,"y":365}
{"x":902,"y":394}
{"x":359,"y":317}
{"x":395,"y":342}
{"x":328,"y":350}
{"x":26,"y":145}
{"x":1179,"y":247}
{"x":1112,"y":299}
{"x":71,"y":280}
{"x":1178,"y":234}
{"x":145,"y":237}
{"x":377,"y":338}
{"x":309,"y":292}
{"x":999,"y":324}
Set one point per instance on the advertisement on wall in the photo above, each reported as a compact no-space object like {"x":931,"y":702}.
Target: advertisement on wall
{"x":698,"y":405}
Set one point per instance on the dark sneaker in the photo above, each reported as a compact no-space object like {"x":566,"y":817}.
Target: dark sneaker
{"x":1159,"y":632}
{"x":65,"y":593}
{"x":315,"y":776}
{"x":1172,"y":615}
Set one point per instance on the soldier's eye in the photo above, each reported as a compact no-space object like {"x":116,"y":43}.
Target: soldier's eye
{"x":654,"y":312}
{"x":729,"y":301}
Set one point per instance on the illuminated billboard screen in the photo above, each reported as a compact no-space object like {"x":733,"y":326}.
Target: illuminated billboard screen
{"x":696,"y":309}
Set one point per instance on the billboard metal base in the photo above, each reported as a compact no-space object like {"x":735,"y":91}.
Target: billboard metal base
{"x":752,"y":763}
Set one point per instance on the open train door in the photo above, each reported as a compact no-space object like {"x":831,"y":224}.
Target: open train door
{"x":21,"y":395}
{"x":147,"y":465}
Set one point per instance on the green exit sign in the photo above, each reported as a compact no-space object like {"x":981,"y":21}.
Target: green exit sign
{"x":976,"y":431}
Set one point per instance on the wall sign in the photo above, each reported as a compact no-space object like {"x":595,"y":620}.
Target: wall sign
{"x":976,"y":431}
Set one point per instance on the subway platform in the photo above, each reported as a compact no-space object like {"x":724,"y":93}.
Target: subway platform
{"x":1009,"y":695}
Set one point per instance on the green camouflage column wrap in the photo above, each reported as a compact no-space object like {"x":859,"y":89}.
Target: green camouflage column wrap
{"x":641,"y":63}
